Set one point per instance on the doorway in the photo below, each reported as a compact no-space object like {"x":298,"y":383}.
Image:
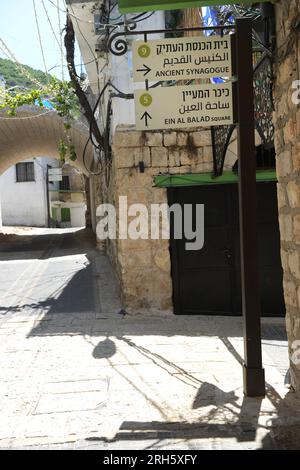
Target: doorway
{"x":208,"y":281}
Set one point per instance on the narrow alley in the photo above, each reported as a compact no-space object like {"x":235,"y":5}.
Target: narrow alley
{"x":77,"y":372}
{"x":149,"y":228}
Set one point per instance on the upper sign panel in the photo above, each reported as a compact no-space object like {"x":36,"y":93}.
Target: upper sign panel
{"x":182,"y":58}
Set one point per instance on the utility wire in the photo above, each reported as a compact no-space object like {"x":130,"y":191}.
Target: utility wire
{"x":58,"y":41}
{"x":40,"y":38}
{"x":51,"y":26}
{"x":9,"y":54}
{"x":61,"y":42}
{"x":82,"y":64}
{"x":71,"y":14}
{"x":90,"y":48}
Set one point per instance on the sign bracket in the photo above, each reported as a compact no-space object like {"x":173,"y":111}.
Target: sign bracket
{"x":118,"y":45}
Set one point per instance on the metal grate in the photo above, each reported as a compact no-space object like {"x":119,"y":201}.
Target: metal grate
{"x":64,"y":185}
{"x":263,"y":111}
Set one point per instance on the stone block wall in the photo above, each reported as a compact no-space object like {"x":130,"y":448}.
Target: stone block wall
{"x":143,"y":266}
{"x":287,"y":146}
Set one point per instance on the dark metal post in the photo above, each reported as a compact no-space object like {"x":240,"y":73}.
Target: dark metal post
{"x":48,"y":197}
{"x":254,"y":379}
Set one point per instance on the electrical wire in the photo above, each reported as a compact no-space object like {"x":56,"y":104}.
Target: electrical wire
{"x":91,"y":50}
{"x":61,"y":42}
{"x":104,"y":163}
{"x":71,"y":14}
{"x":9,"y":54}
{"x":94,"y":111}
{"x":93,"y":173}
{"x":50,"y":23}
{"x":105,"y":147}
{"x":40,"y":38}
{"x":84,"y":154}
{"x":58,"y":41}
{"x":82,"y":64}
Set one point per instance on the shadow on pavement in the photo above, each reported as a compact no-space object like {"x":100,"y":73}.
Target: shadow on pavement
{"x":27,"y":246}
{"x":225,"y":418}
{"x":76,"y":311}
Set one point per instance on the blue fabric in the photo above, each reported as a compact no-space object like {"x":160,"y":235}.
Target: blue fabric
{"x":210,"y":19}
{"x":46,"y":104}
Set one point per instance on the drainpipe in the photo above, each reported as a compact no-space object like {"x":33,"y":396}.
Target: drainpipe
{"x":88,"y":214}
{"x":48,"y":198}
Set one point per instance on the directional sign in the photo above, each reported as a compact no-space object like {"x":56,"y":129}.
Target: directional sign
{"x":182,"y":58}
{"x":184,"y":106}
{"x":55,"y":171}
{"x":52,"y":179}
{"x":55,"y":174}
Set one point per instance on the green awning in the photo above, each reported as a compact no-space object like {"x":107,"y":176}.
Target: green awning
{"x":132,"y":6}
{"x":205,"y":179}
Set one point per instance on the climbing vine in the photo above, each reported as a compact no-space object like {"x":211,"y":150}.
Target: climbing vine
{"x":68,"y":98}
{"x":60,"y":95}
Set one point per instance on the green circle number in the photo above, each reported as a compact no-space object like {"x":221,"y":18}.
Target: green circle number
{"x":144,"y":51}
{"x":146,"y":99}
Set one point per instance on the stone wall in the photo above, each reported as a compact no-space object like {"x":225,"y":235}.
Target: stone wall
{"x":143,"y":266}
{"x":287,"y":145}
{"x":76,"y":178}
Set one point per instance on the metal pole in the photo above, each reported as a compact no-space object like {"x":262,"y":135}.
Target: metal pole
{"x":253,"y":372}
{"x":48,"y":198}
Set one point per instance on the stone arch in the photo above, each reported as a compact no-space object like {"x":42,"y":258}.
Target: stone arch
{"x":36,"y":133}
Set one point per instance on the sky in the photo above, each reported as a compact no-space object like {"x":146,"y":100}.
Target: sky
{"x":18,"y":30}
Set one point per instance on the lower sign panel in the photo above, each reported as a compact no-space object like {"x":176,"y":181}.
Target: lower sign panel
{"x":184,"y":106}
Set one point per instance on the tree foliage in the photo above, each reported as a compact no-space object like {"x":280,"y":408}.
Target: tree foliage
{"x":14,"y":77}
{"x":21,"y":91}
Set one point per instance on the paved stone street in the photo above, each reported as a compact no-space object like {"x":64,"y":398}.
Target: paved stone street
{"x":78,"y":374}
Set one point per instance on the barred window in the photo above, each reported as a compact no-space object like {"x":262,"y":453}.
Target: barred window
{"x":64,"y":185}
{"x":25,"y":172}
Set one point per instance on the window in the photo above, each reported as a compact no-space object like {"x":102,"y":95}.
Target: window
{"x":64,"y":185}
{"x":25,"y":172}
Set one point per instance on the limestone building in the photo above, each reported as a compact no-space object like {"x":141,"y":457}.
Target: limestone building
{"x":181,"y":166}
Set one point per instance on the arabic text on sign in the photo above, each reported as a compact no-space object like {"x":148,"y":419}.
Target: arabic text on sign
{"x":182,"y":58}
{"x":184,"y":106}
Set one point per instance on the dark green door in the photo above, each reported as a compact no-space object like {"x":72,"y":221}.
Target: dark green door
{"x":208,"y":281}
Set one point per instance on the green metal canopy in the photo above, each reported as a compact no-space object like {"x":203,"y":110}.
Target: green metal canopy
{"x":206,"y":179}
{"x":132,"y":6}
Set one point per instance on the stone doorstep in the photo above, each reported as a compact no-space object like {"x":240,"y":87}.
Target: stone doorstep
{"x":273,"y":321}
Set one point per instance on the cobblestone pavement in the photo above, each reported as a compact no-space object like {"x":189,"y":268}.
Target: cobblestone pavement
{"x":77,"y":374}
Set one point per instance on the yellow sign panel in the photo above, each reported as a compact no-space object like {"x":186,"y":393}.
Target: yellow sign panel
{"x":184,"y":106}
